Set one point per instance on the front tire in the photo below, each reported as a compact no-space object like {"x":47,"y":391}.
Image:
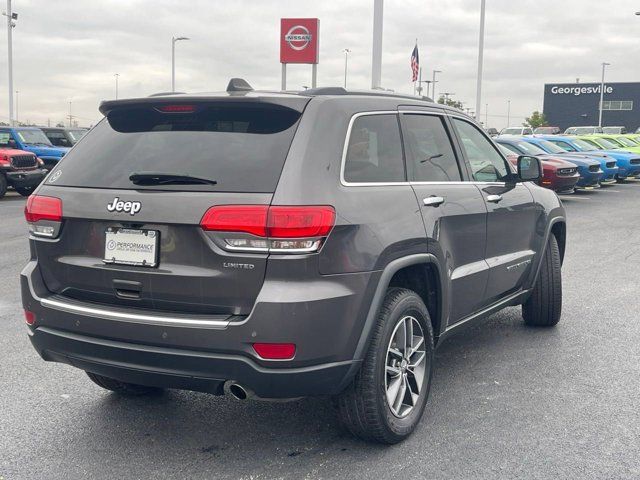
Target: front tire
{"x":387,"y":397}
{"x":3,"y":185}
{"x":122,"y":388}
{"x":544,"y":306}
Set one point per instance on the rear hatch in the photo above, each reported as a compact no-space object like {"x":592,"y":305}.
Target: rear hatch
{"x":137,"y":241}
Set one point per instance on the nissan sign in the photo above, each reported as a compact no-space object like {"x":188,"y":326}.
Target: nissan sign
{"x":299,"y":40}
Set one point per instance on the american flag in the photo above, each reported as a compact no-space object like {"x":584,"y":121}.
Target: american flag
{"x":415,"y":64}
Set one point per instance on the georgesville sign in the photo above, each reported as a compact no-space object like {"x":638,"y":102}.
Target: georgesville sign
{"x":579,"y":90}
{"x":299,"y":40}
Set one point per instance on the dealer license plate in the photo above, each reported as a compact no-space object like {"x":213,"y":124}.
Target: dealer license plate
{"x":131,"y":247}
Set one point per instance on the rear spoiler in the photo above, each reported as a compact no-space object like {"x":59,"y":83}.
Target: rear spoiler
{"x":294,"y":102}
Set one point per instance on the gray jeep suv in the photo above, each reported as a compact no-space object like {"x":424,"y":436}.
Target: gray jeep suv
{"x":279,"y":245}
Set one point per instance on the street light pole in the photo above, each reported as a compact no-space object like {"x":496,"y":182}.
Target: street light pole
{"x":508,"y":113}
{"x":116,"y":75}
{"x":433,"y":85}
{"x":480,"y":57}
{"x":173,"y":60}
{"x":10,"y":25}
{"x":17,"y":117}
{"x":346,"y":59}
{"x":376,"y":54}
{"x":604,"y":64}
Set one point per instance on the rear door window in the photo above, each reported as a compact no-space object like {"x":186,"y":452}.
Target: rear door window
{"x":430,"y":154}
{"x":241,"y":146}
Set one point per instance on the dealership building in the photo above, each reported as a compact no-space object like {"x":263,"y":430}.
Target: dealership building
{"x":576,"y":104}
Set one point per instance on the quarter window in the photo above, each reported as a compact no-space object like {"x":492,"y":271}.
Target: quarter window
{"x":374,"y":152}
{"x":487,"y":165}
{"x":429,"y":150}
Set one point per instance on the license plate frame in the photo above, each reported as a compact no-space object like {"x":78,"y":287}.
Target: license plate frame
{"x":132,"y":247}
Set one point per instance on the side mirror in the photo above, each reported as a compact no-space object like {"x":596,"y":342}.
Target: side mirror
{"x":529,"y":168}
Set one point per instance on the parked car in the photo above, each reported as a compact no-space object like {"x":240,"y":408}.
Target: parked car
{"x":588,"y":173}
{"x":582,"y":130}
{"x":516,"y":131}
{"x":614,"y":130}
{"x":628,"y":163}
{"x":613,"y":142}
{"x":493,"y":132}
{"x":18,"y":169}
{"x":547,"y":131}
{"x":608,"y":164}
{"x":32,"y":139}
{"x":147,"y":278}
{"x":63,"y":137}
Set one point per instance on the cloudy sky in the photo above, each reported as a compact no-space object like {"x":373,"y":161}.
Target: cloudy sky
{"x":69,"y":50}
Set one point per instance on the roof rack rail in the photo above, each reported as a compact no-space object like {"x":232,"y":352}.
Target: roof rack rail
{"x":312,"y":92}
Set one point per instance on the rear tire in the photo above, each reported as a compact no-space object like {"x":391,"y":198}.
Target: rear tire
{"x":25,"y":191}
{"x":3,"y":185}
{"x":544,"y":306}
{"x":123,"y":388}
{"x":364,"y":407}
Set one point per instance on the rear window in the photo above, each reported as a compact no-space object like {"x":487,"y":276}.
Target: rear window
{"x":242,"y":146}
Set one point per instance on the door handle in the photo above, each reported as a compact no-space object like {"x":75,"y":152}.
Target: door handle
{"x":433,"y":201}
{"x":494,"y":198}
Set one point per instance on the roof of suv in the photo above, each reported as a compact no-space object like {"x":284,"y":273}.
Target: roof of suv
{"x":293,"y":99}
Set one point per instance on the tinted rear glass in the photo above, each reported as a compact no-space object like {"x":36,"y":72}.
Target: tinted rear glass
{"x":242,"y":146}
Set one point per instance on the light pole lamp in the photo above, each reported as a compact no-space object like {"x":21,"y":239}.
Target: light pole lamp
{"x":173,"y":60}
{"x":604,"y":65}
{"x":346,"y":52}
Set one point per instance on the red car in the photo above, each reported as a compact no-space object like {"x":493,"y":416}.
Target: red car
{"x":558,"y":174}
{"x":20,"y":170}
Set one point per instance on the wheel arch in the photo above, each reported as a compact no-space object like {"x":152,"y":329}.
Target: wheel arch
{"x":398,"y":271}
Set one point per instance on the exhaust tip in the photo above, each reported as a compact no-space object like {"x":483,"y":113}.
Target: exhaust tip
{"x":238,"y":391}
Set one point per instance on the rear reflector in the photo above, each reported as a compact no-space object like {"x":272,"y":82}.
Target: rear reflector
{"x":43,"y":208}
{"x":29,"y":317}
{"x":275,"y":351}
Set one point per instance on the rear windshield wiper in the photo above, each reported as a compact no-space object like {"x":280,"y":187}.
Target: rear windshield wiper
{"x":157,"y":178}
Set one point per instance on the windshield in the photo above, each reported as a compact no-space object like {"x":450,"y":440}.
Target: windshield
{"x":550,"y":147}
{"x":76,"y":134}
{"x":32,"y":137}
{"x":614,"y":130}
{"x":241,"y":146}
{"x":588,"y":144}
{"x":609,"y":143}
{"x":512,"y":131}
{"x":530,"y":148}
{"x":626,"y":142}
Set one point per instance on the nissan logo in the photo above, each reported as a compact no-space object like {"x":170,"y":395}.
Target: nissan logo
{"x":298,"y":37}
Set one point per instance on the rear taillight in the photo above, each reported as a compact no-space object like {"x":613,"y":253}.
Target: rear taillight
{"x":43,"y":208}
{"x":275,"y":351}
{"x":278,"y":229}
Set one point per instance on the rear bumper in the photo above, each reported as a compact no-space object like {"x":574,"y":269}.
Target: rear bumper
{"x":25,"y":178}
{"x":323,"y":317}
{"x":184,"y":369}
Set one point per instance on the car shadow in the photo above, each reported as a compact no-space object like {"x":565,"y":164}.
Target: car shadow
{"x":193,"y":427}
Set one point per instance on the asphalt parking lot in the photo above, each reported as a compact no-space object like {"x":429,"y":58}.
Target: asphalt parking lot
{"x":506,"y":402}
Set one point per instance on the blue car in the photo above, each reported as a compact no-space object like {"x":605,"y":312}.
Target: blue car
{"x":32,"y":139}
{"x":608,"y":164}
{"x":588,"y":168}
{"x":628,"y":163}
